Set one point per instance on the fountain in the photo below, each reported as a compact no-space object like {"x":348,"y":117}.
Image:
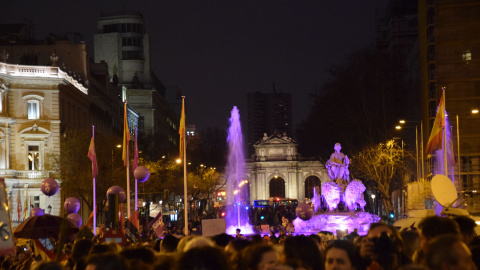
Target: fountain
{"x":344,"y":201}
{"x":237,"y":186}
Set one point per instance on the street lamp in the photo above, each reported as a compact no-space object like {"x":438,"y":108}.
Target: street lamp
{"x":416,"y":143}
{"x":373,"y":199}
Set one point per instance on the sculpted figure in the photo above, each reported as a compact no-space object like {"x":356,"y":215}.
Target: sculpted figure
{"x":337,"y":166}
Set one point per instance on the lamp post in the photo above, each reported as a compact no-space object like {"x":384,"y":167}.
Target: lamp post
{"x":421,"y":164}
{"x":374,"y":208}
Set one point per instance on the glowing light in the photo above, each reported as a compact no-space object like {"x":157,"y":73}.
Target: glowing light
{"x":262,"y":217}
{"x":119,"y":146}
{"x":223,"y":214}
{"x":373,"y":196}
{"x":475,"y":111}
{"x":402,"y":121}
{"x":235,"y":192}
{"x":276,"y":176}
{"x":398,"y":127}
{"x":478,"y":222}
{"x":246,"y":207}
{"x":179,"y":161}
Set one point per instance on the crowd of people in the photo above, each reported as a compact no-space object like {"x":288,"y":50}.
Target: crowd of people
{"x":438,"y":243}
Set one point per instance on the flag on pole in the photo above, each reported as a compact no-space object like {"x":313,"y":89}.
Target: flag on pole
{"x":90,"y":220}
{"x":436,"y":137}
{"x":135,"y":152}
{"x":25,"y":205}
{"x":131,"y":227}
{"x":92,"y":155}
{"x":126,"y":136}
{"x":121,"y":218}
{"x":181,"y":129}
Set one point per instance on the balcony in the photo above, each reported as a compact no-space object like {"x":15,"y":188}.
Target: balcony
{"x":32,"y":174}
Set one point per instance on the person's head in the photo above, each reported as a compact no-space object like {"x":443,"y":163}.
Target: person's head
{"x":431,"y":227}
{"x":106,"y":261}
{"x":202,"y":258}
{"x":200,"y":241}
{"x":302,"y":251}
{"x":448,"y":251}
{"x":238,"y":231}
{"x":81,"y":248}
{"x":260,"y":256}
{"x":467,"y":228}
{"x":44,"y":265}
{"x":145,"y":254}
{"x":169,"y":244}
{"x":411,"y":242}
{"x":341,"y":255}
{"x":383,"y":244}
{"x":337,"y":147}
{"x":102,"y":248}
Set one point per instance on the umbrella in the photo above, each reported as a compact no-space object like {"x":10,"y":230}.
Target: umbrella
{"x":46,"y":226}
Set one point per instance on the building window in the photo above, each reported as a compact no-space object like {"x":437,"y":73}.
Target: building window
{"x":33,"y":158}
{"x":33,"y":109}
{"x":467,"y":56}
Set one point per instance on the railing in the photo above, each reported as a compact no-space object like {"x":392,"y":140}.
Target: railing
{"x":32,"y":174}
{"x":40,"y":71}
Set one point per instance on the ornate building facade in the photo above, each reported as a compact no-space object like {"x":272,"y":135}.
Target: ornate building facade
{"x":277,"y":170}
{"x":35,"y":103}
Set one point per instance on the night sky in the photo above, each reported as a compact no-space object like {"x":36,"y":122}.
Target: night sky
{"x":217,"y":51}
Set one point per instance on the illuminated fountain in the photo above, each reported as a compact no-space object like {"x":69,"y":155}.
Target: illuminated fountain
{"x":339,"y":190}
{"x":237,"y":186}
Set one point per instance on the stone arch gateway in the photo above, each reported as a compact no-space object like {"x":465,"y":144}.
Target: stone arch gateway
{"x":276,"y":155}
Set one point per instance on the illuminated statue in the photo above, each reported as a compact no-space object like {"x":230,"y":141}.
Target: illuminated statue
{"x":337,"y":166}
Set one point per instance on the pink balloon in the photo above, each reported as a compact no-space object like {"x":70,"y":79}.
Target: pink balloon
{"x":49,"y":186}
{"x":141,"y":173}
{"x":71,"y":205}
{"x":119,"y":191}
{"x":35,"y":212}
{"x":304,"y":211}
{"x":75,"y":219}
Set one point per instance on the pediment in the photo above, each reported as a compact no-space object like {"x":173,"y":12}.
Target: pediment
{"x":35,"y":131}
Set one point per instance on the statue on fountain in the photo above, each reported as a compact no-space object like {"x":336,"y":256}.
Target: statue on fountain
{"x":340,"y":188}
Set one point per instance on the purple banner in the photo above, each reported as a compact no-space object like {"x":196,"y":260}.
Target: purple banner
{"x":157,"y":225}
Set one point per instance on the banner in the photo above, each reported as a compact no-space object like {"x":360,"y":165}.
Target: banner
{"x":157,"y":225}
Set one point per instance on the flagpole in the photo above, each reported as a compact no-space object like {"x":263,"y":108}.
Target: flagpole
{"x":94,"y":195}
{"x":445,"y":133}
{"x":127,"y":156}
{"x":136,"y":182}
{"x":458,"y":155}
{"x":185,"y":169}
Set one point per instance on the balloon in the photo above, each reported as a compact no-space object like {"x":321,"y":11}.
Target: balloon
{"x":304,"y":211}
{"x":119,"y":191}
{"x":35,"y":212}
{"x":49,"y":186}
{"x":75,"y":219}
{"x":71,"y":205}
{"x":141,"y":173}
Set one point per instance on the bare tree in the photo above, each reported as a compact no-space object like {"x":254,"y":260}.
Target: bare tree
{"x":386,"y":165}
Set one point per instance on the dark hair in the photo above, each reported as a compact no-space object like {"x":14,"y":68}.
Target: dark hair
{"x":142,"y":253}
{"x":466,"y":224}
{"x":349,"y":248}
{"x":222,"y":239}
{"x":202,"y":258}
{"x":433,"y":226}
{"x":47,"y":266}
{"x":440,"y":250}
{"x":303,"y":251}
{"x":81,"y":249}
{"x":169,"y":243}
{"x":101,"y":248}
{"x":252,"y":255}
{"x":107,"y":261}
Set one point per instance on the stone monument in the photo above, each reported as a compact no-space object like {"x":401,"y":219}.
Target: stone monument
{"x":339,"y":189}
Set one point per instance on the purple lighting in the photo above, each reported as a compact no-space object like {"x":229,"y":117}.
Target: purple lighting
{"x":237,"y":185}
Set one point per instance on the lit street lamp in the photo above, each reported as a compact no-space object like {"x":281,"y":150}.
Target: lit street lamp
{"x":421,"y":164}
